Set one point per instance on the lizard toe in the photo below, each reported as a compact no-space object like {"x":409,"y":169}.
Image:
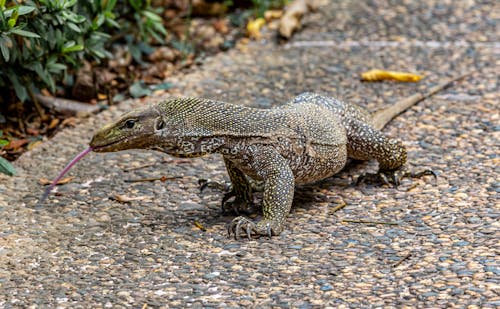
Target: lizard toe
{"x":391,"y":177}
{"x":240,"y":224}
{"x":243,"y":225}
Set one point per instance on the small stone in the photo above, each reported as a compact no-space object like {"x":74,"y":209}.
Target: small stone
{"x":326,"y":287}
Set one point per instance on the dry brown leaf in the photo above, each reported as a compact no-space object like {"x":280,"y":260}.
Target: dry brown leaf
{"x":221,"y":26}
{"x":125,"y":199}
{"x":292,"y":16}
{"x":45,"y":181}
{"x":254,"y":26}
{"x":379,"y":75}
{"x":46,"y":92}
{"x":32,"y":131}
{"x":272,"y":14}
{"x":70,"y":122}
{"x":208,"y":8}
{"x":14,"y":144}
{"x":53,"y":123}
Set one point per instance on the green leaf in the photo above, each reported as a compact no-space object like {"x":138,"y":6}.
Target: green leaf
{"x":155,"y":35}
{"x":73,"y":17}
{"x":135,"y":51}
{"x":6,"y":167}
{"x":5,"y":45}
{"x":21,"y":91}
{"x":71,"y":46}
{"x":152,"y":16}
{"x":56,"y":67}
{"x":111,"y":22}
{"x":163,"y":86}
{"x":12,"y":21}
{"x":4,"y":142}
{"x":72,"y":49}
{"x":21,"y":10}
{"x":98,"y":21}
{"x":136,"y":4}
{"x":74,"y":27}
{"x":138,"y":89}
{"x":24,"y":9}
{"x":68,"y":4}
{"x":110,"y":5}
{"x":25,"y":33}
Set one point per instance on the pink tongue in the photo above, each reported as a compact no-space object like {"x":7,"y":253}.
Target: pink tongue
{"x":63,"y":172}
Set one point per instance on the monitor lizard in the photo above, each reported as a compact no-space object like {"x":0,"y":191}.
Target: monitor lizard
{"x":305,"y":140}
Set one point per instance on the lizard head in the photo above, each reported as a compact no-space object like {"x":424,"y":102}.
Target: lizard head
{"x":136,"y":129}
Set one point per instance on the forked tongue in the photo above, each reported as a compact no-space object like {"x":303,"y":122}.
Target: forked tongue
{"x":63,"y":172}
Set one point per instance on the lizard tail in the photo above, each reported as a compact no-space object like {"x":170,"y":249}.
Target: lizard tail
{"x":384,"y":116}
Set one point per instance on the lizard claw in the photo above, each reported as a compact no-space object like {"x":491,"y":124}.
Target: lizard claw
{"x":420,"y":174}
{"x":240,"y":223}
{"x":249,"y":227}
{"x":392,"y":177}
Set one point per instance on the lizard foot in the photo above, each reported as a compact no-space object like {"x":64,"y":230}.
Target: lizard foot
{"x":249,"y":227}
{"x":391,"y":177}
{"x":207,"y":183}
{"x":238,"y":206}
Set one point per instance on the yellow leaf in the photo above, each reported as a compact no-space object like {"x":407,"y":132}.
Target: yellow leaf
{"x":53,"y":123}
{"x":378,"y":75}
{"x":200,"y":226}
{"x":254,"y":26}
{"x":45,"y":181}
{"x":34,"y":144}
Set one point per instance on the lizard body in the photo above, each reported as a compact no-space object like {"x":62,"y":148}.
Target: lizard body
{"x":308,"y":139}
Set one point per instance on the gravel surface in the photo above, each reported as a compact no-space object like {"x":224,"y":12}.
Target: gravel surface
{"x":436,"y":243}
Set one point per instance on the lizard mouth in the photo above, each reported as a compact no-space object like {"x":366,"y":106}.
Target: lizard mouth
{"x":107,"y":147}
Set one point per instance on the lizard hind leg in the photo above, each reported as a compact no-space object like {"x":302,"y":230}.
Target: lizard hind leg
{"x":365,"y":142}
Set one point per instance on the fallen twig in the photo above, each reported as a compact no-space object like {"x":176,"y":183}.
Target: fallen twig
{"x":369,"y":222}
{"x":401,"y":260}
{"x":68,"y":107}
{"x":162,"y":179}
{"x":339,"y":207}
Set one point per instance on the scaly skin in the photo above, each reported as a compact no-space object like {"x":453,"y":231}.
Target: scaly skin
{"x":306,"y":140}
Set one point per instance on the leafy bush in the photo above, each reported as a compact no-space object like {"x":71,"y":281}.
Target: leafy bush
{"x":260,"y":6}
{"x":41,"y":41}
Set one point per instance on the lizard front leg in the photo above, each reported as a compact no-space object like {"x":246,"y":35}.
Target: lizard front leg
{"x":279,"y":186}
{"x":241,"y":190}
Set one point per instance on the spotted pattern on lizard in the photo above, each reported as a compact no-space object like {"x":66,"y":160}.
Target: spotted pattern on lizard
{"x":307,"y":139}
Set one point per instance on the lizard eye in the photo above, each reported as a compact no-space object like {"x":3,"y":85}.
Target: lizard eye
{"x":129,"y":124}
{"x":160,"y":124}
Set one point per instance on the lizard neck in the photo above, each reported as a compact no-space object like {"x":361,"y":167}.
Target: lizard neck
{"x":208,"y":118}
